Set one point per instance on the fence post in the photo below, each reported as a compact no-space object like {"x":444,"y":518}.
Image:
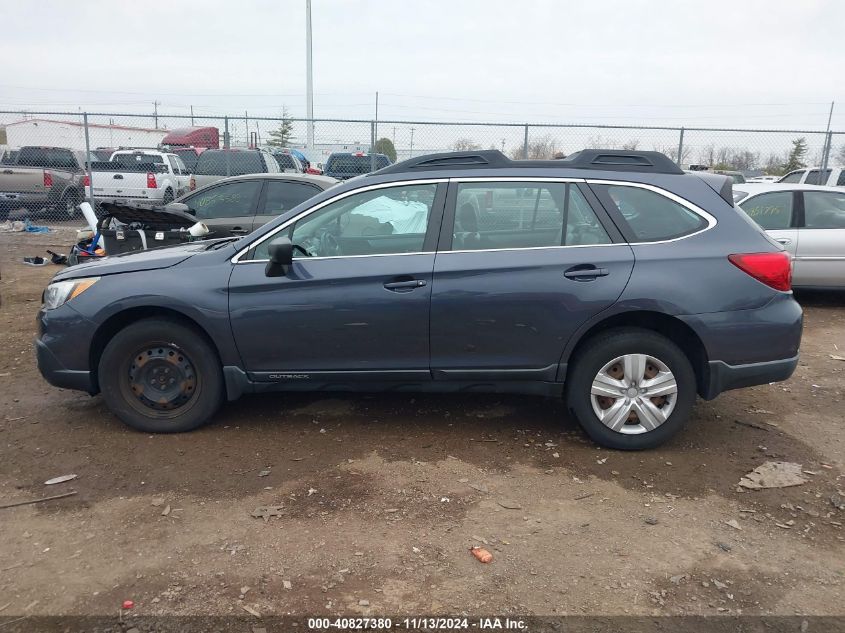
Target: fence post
{"x":372,"y":145}
{"x":226,"y":142}
{"x":525,"y":144}
{"x":88,"y":163}
{"x":681,"y":148}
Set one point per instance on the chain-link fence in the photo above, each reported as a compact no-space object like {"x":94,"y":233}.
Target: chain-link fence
{"x":748,"y":150}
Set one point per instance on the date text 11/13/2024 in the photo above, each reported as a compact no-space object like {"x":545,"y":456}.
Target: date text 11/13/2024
{"x":416,"y":623}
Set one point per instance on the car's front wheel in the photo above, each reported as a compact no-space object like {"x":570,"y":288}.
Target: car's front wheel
{"x":161,"y":376}
{"x":630,"y":388}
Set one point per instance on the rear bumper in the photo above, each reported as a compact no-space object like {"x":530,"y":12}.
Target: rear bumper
{"x":57,"y":374}
{"x":724,"y":377}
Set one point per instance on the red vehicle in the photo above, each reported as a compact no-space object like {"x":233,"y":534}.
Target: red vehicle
{"x":204,"y":137}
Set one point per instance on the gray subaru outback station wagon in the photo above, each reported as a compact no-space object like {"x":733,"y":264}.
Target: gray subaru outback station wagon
{"x":611,"y":279}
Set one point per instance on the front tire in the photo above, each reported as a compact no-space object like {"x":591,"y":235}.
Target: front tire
{"x":160,"y":376}
{"x":631,"y":389}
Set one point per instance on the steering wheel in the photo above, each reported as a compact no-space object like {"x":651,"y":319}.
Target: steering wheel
{"x":329,"y":246}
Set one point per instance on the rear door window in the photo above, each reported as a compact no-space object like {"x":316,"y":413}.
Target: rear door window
{"x":813,"y":177}
{"x":494,"y":215}
{"x":650,"y":216}
{"x":824,"y":210}
{"x":771,"y":210}
{"x":47,"y":157}
{"x":282,"y":195}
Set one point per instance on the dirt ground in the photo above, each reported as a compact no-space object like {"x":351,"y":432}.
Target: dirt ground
{"x":381,"y":497}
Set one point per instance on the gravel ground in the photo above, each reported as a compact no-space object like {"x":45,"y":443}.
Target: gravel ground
{"x":380,"y":497}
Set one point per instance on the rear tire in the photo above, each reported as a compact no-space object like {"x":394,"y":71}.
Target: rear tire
{"x":168,"y":197}
{"x":623,"y":375}
{"x":160,"y":376}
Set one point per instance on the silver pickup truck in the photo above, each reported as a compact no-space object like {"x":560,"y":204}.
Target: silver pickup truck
{"x":43,"y":180}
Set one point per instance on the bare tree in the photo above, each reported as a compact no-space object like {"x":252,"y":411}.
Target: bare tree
{"x":672,"y":152}
{"x":840,"y":155}
{"x":707,"y":155}
{"x":540,"y":148}
{"x":465,"y":145}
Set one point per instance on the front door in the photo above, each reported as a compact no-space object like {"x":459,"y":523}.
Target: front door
{"x":522,"y":264}
{"x":355,"y":303}
{"x":228,"y":208}
{"x":820,"y":259}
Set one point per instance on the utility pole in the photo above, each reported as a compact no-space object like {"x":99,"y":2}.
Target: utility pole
{"x":827,"y":143}
{"x":411,"y":151}
{"x":156,"y":104}
{"x":309,"y":77}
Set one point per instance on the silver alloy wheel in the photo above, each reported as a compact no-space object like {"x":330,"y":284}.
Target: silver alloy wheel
{"x":633,"y":394}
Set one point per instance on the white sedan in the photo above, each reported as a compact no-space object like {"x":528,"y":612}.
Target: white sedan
{"x":809,"y":221}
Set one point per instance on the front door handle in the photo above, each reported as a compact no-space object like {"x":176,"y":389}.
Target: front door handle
{"x":238,"y":231}
{"x":585,"y":272}
{"x":784,"y":240}
{"x":404,"y":286}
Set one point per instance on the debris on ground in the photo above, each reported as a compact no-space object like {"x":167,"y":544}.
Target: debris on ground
{"x":287,"y":584}
{"x":264,"y":472}
{"x":509,"y":505}
{"x":157,"y":501}
{"x":774,"y":475}
{"x":166,"y":510}
{"x":837,"y":501}
{"x":584,"y":496}
{"x":651,"y":520}
{"x":725,"y":547}
{"x":836,"y":357}
{"x":265,"y":512}
{"x":250,"y":610}
{"x":479,"y":487}
{"x":59,"y":480}
{"x":14,"y":504}
{"x":363,"y":603}
{"x":734,"y":524}
{"x":481,"y":554}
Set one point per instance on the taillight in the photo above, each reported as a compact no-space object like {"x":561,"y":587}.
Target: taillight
{"x":48,"y":179}
{"x":151,"y":181}
{"x":86,"y":180}
{"x":192,"y":184}
{"x":772,"y":269}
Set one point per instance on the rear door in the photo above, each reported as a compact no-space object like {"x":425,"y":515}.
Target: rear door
{"x":227,"y":208}
{"x":280,"y":196}
{"x":820,"y":257}
{"x":521,"y":264}
{"x":775,"y":211}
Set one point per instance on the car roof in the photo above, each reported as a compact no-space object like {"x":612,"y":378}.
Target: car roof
{"x":762,"y":187}
{"x":324,"y":182}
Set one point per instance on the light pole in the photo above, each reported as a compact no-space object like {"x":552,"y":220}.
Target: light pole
{"x":310,"y":77}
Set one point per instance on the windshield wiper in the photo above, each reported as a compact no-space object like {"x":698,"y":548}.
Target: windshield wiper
{"x":222,"y":242}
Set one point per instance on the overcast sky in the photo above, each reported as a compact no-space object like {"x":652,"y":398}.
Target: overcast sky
{"x":738,"y":63}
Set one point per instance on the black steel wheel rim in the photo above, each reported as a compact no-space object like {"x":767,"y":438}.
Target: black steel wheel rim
{"x":162,"y":378}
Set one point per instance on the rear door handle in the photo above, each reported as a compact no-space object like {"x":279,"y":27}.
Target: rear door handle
{"x":400,"y":286}
{"x":585,"y":273}
{"x":784,"y":240}
{"x":238,"y":231}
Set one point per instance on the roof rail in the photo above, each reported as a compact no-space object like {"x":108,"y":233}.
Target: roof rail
{"x":597,"y":159}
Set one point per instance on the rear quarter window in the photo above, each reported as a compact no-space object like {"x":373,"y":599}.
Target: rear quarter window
{"x":650,"y":216}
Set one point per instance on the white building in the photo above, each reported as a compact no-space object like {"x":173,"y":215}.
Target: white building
{"x":71,"y":134}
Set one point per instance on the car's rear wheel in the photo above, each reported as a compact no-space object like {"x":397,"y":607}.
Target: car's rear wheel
{"x":70,"y":204}
{"x":168,"y":197}
{"x":631,"y":389}
{"x":160,"y":376}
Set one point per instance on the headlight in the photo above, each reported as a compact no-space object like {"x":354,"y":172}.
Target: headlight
{"x":60,"y":292}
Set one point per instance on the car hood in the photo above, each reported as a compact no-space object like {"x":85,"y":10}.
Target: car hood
{"x":152,"y":259}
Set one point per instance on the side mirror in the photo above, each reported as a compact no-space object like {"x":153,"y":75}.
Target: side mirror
{"x":281,"y":257}
{"x":178,"y":206}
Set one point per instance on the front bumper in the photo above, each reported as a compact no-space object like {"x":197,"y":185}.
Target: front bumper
{"x":57,"y":374}
{"x":724,"y":377}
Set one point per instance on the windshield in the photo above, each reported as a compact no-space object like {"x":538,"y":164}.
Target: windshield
{"x":349,"y":164}
{"x":228,"y":163}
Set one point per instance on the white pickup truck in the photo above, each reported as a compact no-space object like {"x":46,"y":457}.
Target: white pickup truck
{"x":140,"y":176}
